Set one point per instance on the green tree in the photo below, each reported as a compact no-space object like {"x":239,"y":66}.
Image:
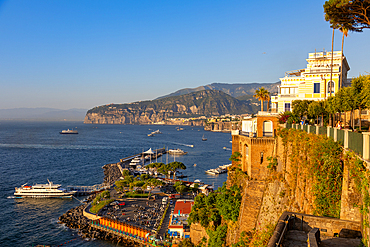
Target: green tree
{"x":263,"y":95}
{"x":357,"y":88}
{"x":300,"y":107}
{"x":354,"y":14}
{"x":331,"y":107}
{"x":152,"y":182}
{"x":366,"y":91}
{"x":235,"y":158}
{"x":349,"y":102}
{"x":125,"y":173}
{"x":180,"y":187}
{"x":155,"y":165}
{"x":315,"y":109}
{"x":288,"y":117}
{"x":174,"y":166}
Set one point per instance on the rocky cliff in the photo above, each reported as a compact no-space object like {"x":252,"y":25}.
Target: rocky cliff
{"x":202,"y":103}
{"x":304,"y":173}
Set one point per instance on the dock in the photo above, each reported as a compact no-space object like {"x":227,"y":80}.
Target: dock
{"x":124,"y":162}
{"x":87,"y":190}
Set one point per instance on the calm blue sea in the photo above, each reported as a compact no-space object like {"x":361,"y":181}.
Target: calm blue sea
{"x":32,"y":152}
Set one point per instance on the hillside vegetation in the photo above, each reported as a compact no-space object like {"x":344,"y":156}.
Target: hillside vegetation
{"x":202,"y":103}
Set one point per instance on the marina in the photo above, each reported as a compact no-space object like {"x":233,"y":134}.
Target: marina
{"x":78,"y":162}
{"x":218,"y":170}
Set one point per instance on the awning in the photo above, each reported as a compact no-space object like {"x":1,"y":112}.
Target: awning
{"x":149,"y":151}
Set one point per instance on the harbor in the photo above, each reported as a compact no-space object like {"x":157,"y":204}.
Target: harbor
{"x":77,"y":161}
{"x":139,"y":220}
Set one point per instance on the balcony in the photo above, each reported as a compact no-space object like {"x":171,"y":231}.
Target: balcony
{"x":288,"y":95}
{"x":249,"y":134}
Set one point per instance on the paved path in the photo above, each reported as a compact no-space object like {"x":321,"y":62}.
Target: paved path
{"x":295,"y":238}
{"x":164,"y":228}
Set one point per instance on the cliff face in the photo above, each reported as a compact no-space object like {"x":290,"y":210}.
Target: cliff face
{"x":289,"y":187}
{"x":203,"y":103}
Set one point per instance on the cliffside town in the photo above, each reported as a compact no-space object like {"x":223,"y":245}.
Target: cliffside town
{"x":163,"y":111}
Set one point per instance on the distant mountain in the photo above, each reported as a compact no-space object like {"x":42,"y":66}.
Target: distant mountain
{"x":42,"y":114}
{"x":201,"y":103}
{"x":235,"y":90}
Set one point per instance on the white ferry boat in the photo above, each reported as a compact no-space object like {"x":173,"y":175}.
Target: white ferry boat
{"x":68,"y":131}
{"x":49,"y":190}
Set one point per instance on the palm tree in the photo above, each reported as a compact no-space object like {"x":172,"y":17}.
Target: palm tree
{"x":331,"y":65}
{"x":263,"y":95}
{"x":344,"y":30}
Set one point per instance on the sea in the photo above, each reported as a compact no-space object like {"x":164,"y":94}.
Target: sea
{"x":34,"y":151}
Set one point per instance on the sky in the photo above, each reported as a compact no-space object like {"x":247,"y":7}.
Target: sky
{"x":81,"y":54}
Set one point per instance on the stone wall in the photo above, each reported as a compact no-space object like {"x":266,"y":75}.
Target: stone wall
{"x":266,"y":194}
{"x":328,"y":226}
{"x":197,"y":232}
{"x":255,"y":152}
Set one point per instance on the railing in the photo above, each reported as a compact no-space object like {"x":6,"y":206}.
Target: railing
{"x":292,"y":95}
{"x":268,"y":134}
{"x":250,"y":134}
{"x":357,"y":142}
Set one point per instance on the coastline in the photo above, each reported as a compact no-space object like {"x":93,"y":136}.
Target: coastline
{"x":75,"y":218}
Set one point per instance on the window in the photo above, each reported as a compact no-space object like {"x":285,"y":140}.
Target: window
{"x":246,"y":151}
{"x":316,"y":88}
{"x":267,"y":128}
{"x":331,"y":87}
{"x":287,"y":107}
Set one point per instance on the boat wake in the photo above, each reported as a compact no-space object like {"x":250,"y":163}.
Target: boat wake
{"x":187,"y":145}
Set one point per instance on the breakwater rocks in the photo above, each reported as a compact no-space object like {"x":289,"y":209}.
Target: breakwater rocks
{"x":111,"y":173}
{"x":74,"y":219}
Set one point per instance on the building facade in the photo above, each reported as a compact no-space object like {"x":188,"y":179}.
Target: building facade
{"x":255,"y":142}
{"x":178,"y":226}
{"x":313,"y":82}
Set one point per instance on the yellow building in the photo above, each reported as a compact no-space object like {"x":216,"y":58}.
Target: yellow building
{"x":313,"y":82}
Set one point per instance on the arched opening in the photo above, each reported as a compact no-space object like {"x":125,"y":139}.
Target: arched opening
{"x":331,"y":87}
{"x":267,"y":128}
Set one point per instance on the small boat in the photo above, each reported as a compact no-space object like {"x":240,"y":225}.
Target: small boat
{"x":204,"y":139}
{"x":156,"y":132}
{"x":182,"y":176}
{"x":136,"y":161}
{"x":48,"y":190}
{"x":176,"y":151}
{"x":213,"y":171}
{"x":68,"y":131}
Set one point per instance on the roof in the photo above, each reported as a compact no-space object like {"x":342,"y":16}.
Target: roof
{"x":184,"y":206}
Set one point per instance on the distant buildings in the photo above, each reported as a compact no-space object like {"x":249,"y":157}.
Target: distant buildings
{"x":313,"y":82}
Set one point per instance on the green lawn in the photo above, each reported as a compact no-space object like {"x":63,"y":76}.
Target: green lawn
{"x":96,"y":207}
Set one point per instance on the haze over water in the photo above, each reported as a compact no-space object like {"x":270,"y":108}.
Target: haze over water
{"x":32,"y":152}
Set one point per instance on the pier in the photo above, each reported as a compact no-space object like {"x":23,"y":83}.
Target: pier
{"x":124,"y":162}
{"x":87,"y":190}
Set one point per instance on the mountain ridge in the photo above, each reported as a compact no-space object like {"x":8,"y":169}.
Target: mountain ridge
{"x":195,"y":104}
{"x":233,"y":89}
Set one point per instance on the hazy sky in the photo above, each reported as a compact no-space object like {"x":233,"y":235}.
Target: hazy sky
{"x":80,"y":54}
